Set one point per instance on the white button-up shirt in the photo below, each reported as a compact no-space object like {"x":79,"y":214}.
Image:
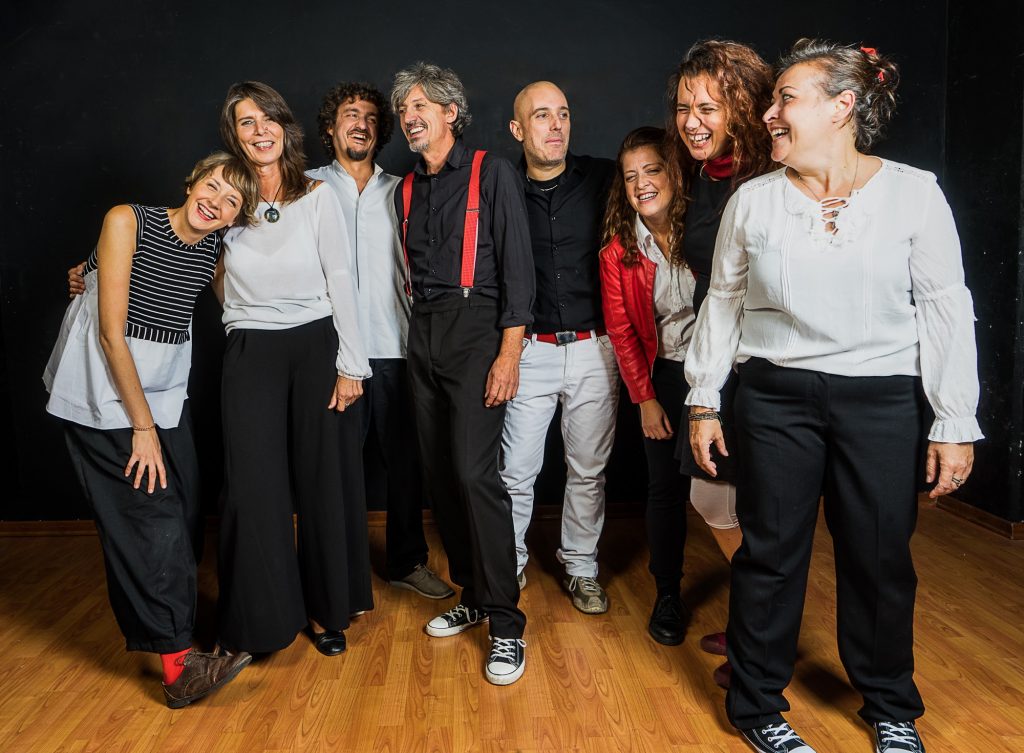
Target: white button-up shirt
{"x":673,"y":298}
{"x":884,"y":295}
{"x":378,"y":261}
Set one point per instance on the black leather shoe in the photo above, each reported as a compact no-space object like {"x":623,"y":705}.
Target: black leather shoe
{"x":669,"y":620}
{"x":330,"y":642}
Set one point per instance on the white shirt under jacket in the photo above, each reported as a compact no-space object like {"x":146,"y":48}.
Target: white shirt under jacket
{"x":279,"y":275}
{"x":379,"y":264}
{"x":673,"y":298}
{"x":883,"y":296}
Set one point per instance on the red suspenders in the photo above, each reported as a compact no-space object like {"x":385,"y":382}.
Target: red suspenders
{"x":469,"y":233}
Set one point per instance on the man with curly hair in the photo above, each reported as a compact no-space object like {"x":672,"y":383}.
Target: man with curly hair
{"x":355,"y":122}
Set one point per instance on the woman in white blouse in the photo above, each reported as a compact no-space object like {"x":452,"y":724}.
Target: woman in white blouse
{"x":293,"y":364}
{"x":837,"y":288}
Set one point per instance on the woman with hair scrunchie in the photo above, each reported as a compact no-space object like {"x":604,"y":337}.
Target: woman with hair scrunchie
{"x":837,"y":286}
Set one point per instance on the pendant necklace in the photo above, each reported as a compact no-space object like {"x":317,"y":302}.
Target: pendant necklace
{"x":271,"y":214}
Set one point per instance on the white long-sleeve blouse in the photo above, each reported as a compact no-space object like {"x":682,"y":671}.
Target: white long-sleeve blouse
{"x":884,"y":295}
{"x":296,"y":271}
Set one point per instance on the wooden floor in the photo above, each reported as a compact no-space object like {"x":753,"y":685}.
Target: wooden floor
{"x":592,"y":684}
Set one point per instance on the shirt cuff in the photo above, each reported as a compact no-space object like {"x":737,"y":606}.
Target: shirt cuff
{"x":955,"y":430}
{"x":705,"y":397}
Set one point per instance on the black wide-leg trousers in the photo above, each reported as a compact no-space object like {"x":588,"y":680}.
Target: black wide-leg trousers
{"x":388,"y":409}
{"x":857,"y":441}
{"x":667,"y":488}
{"x":151,"y":542}
{"x":452,"y":345}
{"x":285,"y":453}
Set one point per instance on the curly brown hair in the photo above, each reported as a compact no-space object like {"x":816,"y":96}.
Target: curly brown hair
{"x":745,"y":82}
{"x":620,"y":216}
{"x":349,"y":91}
{"x":873,"y":78}
{"x":293,"y":159}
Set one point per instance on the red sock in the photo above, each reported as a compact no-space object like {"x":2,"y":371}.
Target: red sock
{"x":173,"y":665}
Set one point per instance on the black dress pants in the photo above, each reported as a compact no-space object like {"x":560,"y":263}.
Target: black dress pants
{"x":388,"y":408}
{"x":285,"y":453}
{"x":856,"y":439}
{"x":151,"y":542}
{"x":452,"y":345}
{"x":667,"y":488}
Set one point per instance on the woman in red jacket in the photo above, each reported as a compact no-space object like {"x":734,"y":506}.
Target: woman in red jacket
{"x":647,"y":292}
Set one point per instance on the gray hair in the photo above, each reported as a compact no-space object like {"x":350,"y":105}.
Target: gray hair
{"x":442,"y":87}
{"x":872,"y":78}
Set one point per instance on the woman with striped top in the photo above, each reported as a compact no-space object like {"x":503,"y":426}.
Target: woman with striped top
{"x":118,"y":377}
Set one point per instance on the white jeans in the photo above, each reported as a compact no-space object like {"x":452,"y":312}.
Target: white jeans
{"x":582,"y":376}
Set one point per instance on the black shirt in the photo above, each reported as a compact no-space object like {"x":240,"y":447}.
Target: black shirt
{"x":436,"y":225}
{"x":703,"y":217}
{"x":565,"y":230}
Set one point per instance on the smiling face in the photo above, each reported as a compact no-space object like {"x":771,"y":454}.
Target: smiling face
{"x":212,"y":203}
{"x":701,"y":118}
{"x":425,"y":122}
{"x":648,"y":186}
{"x":801,"y":119}
{"x":542,"y":124}
{"x":355,"y":129}
{"x":261,"y":137}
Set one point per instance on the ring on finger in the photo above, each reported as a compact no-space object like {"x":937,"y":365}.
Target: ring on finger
{"x":957,"y":480}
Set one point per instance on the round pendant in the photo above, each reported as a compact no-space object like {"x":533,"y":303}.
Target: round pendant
{"x":272,"y":215}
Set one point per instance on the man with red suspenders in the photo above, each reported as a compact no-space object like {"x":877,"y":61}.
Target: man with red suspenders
{"x":470,"y":273}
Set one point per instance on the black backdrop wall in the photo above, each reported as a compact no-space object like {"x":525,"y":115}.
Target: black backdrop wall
{"x":106,"y":103}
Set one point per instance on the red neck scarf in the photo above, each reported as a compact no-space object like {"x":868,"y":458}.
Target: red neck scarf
{"x":718,"y":168}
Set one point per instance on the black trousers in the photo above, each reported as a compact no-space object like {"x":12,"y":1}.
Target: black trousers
{"x":388,"y":409}
{"x":151,"y":542}
{"x":452,"y":345}
{"x":667,"y":488}
{"x":856,"y":439}
{"x":285,"y":453}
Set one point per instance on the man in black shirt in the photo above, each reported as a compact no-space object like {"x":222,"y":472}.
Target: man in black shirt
{"x":569,"y":358}
{"x":465,"y":339}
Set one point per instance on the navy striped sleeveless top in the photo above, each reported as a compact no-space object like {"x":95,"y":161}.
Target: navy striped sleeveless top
{"x":167,"y":276}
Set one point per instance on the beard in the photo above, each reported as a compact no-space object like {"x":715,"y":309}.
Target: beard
{"x":419,"y":146}
{"x":357,"y":155}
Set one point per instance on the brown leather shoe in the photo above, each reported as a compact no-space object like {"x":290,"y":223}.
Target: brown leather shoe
{"x":203,"y":674}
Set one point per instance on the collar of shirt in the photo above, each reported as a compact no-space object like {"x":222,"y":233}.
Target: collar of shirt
{"x":341,"y":171}
{"x":572,"y":168}
{"x":458,"y":155}
{"x":645,"y":239}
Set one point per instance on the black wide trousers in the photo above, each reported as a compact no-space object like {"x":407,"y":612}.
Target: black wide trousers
{"x":151,"y":542}
{"x":285,"y":453}
{"x":857,"y":441}
{"x":452,"y":345}
{"x":388,"y":409}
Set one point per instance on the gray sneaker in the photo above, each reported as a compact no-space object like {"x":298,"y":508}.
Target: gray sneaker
{"x":587,"y":594}
{"x":423,"y":581}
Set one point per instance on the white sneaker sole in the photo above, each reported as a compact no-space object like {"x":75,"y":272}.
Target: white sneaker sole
{"x":447,"y":632}
{"x":505,"y":679}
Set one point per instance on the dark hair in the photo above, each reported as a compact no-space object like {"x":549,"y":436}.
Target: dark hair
{"x":620,"y":216}
{"x":745,"y":83}
{"x":236,"y":172}
{"x":872,"y":78}
{"x":349,"y":91}
{"x":293,"y":159}
{"x":442,"y":87}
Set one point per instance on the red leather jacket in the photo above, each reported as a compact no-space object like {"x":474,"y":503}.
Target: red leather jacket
{"x":627,"y":296}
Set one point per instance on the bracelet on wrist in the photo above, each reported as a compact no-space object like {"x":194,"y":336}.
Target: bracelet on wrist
{"x":709,"y":415}
{"x":144,"y":428}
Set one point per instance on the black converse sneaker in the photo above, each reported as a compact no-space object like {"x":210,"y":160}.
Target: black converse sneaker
{"x":897,"y":737}
{"x":455,"y":620}
{"x":776,"y":738}
{"x":506,"y":662}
